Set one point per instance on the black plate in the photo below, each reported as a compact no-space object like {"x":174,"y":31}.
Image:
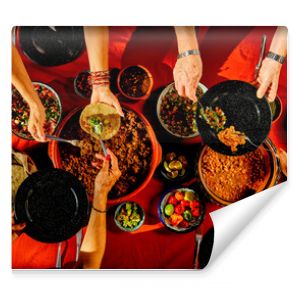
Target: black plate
{"x":243,"y":110}
{"x":51,"y":46}
{"x":53,"y":204}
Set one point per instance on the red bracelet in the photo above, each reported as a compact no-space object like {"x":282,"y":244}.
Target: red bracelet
{"x":99,"y":78}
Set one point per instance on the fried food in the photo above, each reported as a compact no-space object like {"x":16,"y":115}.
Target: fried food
{"x":232,"y":138}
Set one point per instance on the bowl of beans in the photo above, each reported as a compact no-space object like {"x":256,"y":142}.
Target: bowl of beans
{"x":81,"y":85}
{"x":177,"y":114}
{"x":135,"y":82}
{"x":227,"y":179}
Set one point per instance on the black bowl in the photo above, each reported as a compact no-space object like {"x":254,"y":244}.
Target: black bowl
{"x":178,"y":149}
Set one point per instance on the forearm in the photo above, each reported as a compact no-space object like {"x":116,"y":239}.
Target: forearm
{"x":93,"y":245}
{"x":279,"y":42}
{"x":186,"y":38}
{"x":96,"y":39}
{"x":21,"y":80}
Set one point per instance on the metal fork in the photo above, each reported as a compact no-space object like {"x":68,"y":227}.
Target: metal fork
{"x":198,"y":238}
{"x":75,"y":143}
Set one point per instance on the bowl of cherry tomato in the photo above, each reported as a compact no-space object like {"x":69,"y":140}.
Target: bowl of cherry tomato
{"x":181,"y":210}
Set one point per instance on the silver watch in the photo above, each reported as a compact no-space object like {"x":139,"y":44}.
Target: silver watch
{"x":188,"y":52}
{"x":276,"y":57}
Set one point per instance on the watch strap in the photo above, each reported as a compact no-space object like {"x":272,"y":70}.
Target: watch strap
{"x":188,"y":52}
{"x":276,"y":57}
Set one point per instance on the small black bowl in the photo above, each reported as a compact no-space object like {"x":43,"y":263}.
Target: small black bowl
{"x":178,"y":149}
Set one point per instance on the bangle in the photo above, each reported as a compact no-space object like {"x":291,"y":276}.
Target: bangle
{"x":276,"y":57}
{"x":99,"y":78}
{"x":188,"y":52}
{"x":98,"y":210}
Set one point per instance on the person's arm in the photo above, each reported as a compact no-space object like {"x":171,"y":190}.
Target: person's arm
{"x":94,"y":242}
{"x":22,"y":82}
{"x":268,"y":77}
{"x":96,"y":40}
{"x":188,"y":69}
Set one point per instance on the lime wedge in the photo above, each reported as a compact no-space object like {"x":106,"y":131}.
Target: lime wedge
{"x":169,"y":209}
{"x":175,"y":165}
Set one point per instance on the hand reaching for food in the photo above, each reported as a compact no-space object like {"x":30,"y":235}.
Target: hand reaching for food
{"x":188,"y":69}
{"x":268,"y":76}
{"x":268,"y":79}
{"x":36,"y":121}
{"x":104,"y":94}
{"x":187,"y":73}
{"x":109,"y":173}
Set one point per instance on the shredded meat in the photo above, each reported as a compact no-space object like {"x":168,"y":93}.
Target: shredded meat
{"x":232,"y":138}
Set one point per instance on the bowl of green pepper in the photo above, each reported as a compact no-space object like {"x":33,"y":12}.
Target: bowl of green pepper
{"x":129,"y":216}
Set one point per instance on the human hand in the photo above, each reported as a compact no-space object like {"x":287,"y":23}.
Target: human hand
{"x":36,"y":121}
{"x":108,"y":175}
{"x":187,"y":73}
{"x":268,"y":78}
{"x":104,"y":94}
{"x":16,"y":229}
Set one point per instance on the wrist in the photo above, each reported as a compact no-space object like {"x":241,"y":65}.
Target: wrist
{"x":275,"y":64}
{"x":101,"y":88}
{"x":99,"y":79}
{"x":34,"y":104}
{"x":187,"y":53}
{"x":186,"y":38}
{"x":100,"y":199}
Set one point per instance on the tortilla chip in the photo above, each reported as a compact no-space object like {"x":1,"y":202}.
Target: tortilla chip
{"x":103,"y":113}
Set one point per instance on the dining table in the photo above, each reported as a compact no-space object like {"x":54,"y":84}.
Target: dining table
{"x":227,"y":53}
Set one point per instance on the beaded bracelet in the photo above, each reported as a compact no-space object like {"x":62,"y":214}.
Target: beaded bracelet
{"x":99,"y":78}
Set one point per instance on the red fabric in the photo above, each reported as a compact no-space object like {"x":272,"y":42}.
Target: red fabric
{"x":156,"y":49}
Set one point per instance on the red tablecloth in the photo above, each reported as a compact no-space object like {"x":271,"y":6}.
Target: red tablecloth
{"x":222,"y":54}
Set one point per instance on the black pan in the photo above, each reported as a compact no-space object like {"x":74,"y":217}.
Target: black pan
{"x":53,"y":204}
{"x":243,"y":110}
{"x":51,"y":46}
